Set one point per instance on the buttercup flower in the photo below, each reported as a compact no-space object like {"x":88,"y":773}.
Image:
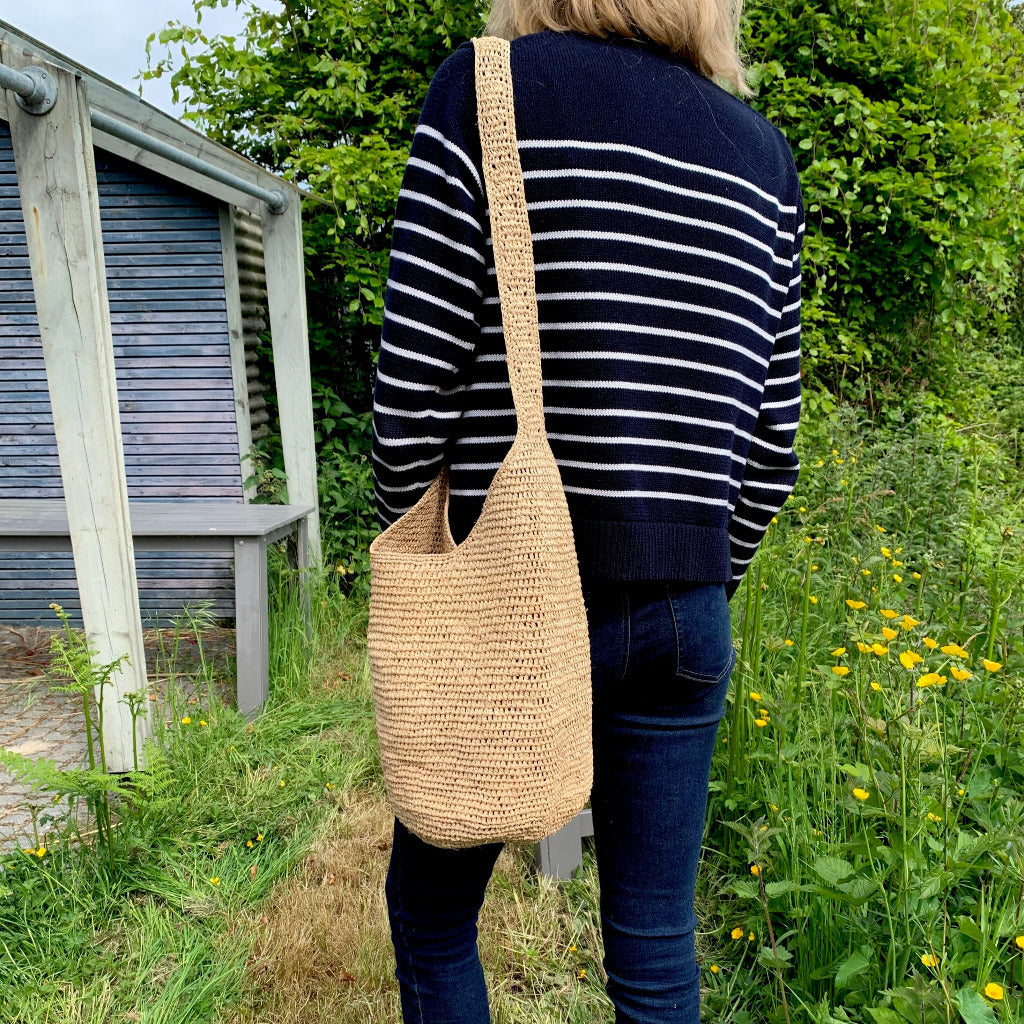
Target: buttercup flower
{"x":737,"y":933}
{"x":855,"y":605}
{"x":839,"y":652}
{"x":887,"y":552}
{"x":897,"y":577}
{"x":930,"y":643}
{"x":931,"y":679}
{"x":788,"y":642}
{"x":880,"y":649}
{"x":863,"y":647}
{"x":929,"y":960}
{"x":955,"y":651}
{"x":994,"y":991}
{"x":861,"y":794}
{"x":889,"y":613}
{"x":960,"y":673}
{"x":841,"y":670}
{"x":713,"y":968}
{"x":1019,"y":941}
{"x":760,"y":722}
{"x":991,"y":666}
{"x":754,"y":695}
{"x":908,"y":659}
{"x":909,"y":622}
{"x":875,"y":685}
{"x":889,"y":633}
{"x":755,"y":870}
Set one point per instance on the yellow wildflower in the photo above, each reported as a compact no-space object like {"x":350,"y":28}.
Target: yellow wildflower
{"x":259,"y":837}
{"x":880,"y":529}
{"x":896,"y":563}
{"x":737,"y":933}
{"x":839,"y":652}
{"x":813,"y":599}
{"x":887,"y":552}
{"x":186,"y":720}
{"x":960,"y":673}
{"x":215,"y":880}
{"x":960,"y":792}
{"x":955,"y":651}
{"x":248,"y":843}
{"x":860,"y":794}
{"x":572,"y":949}
{"x":1019,"y":941}
{"x":750,"y":937}
{"x":841,"y":670}
{"x":908,"y":623}
{"x":916,"y":575}
{"x":931,"y":679}
{"x":202,"y":721}
{"x":754,"y":695}
{"x":281,"y":783}
{"x":865,"y":572}
{"x":897,"y":577}
{"x":991,"y":666}
{"x":714,"y":968}
{"x":875,"y":685}
{"x":994,"y":991}
{"x":908,"y":659}
{"x":760,"y":722}
{"x":889,"y":634}
{"x":814,"y":568}
{"x":41,"y":851}
{"x":930,"y":643}
{"x":788,"y":642}
{"x":888,"y":613}
{"x":863,"y":647}
{"x":755,"y":870}
{"x":803,"y":508}
{"x":880,"y":650}
{"x":582,"y":973}
{"x":855,"y":605}
{"x":933,"y":817}
{"x":929,"y":960}
{"x":775,"y":519}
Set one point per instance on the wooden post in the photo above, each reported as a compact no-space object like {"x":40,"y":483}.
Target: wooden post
{"x":240,"y":382}
{"x":53,"y":156}
{"x":286,"y":301}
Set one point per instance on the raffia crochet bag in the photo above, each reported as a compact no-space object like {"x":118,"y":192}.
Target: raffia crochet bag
{"x":479,"y":652}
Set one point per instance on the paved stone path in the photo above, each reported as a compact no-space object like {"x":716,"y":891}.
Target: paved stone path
{"x":39,"y":723}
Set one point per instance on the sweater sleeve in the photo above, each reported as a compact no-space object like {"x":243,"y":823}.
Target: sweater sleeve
{"x":434,"y":291}
{"x":772,"y":465}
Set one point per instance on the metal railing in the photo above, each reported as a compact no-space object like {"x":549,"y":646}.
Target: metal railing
{"x":36,"y":93}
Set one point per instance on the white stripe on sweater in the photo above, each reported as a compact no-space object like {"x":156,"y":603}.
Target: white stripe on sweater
{"x":655,"y":183}
{"x":648,"y":154}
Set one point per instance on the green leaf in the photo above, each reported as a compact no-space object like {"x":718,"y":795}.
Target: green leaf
{"x":833,"y":869}
{"x":857,"y":962}
{"x":973,"y":1008}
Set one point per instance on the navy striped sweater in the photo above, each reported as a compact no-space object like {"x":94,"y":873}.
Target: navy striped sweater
{"x":667,"y":222}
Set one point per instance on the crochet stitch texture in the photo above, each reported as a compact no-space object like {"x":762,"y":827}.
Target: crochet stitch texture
{"x":667,"y":223}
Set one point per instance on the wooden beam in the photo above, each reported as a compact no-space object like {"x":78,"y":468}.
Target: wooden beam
{"x":53,"y":156}
{"x":236,"y":340}
{"x":289,"y":335}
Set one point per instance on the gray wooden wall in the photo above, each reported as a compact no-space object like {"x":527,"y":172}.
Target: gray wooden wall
{"x":165,"y":274}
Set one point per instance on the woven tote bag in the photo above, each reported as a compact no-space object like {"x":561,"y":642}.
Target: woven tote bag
{"x":479,"y":652}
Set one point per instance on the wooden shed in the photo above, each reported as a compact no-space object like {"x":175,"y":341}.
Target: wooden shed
{"x":138,"y":259}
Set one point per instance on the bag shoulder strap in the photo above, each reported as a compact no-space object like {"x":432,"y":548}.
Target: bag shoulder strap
{"x":510,"y":230}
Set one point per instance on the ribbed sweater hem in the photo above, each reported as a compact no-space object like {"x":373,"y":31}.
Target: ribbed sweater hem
{"x":652,"y":551}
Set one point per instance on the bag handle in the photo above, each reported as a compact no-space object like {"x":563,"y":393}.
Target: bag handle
{"x":510,"y":231}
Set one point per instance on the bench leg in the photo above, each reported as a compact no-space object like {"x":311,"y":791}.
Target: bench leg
{"x":305,"y":584}
{"x":561,"y":853}
{"x":252,"y":627}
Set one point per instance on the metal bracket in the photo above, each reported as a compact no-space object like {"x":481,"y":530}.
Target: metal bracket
{"x":43,"y":96}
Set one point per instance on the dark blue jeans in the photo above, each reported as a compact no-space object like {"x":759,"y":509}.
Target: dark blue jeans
{"x":661,"y":657}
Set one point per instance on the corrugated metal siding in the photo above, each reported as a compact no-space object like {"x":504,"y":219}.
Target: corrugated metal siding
{"x":252,"y":285}
{"x":165,"y":281}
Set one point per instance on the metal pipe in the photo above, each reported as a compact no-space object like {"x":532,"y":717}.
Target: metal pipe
{"x":276,"y":199}
{"x":36,"y":92}
{"x":16,"y":81}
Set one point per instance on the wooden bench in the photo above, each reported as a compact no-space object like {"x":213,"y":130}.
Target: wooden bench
{"x":244,"y":530}
{"x":561,"y":853}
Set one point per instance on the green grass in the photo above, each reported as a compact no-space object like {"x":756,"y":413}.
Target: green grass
{"x":886,"y":821}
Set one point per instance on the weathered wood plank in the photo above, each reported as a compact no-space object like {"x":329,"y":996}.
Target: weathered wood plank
{"x":57,"y":180}
{"x":236,"y":342}
{"x":286,"y":300}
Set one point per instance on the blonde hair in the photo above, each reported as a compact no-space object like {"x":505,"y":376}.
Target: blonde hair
{"x":705,"y":32}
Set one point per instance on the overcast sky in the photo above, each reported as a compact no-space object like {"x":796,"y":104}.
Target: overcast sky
{"x":109,"y":36}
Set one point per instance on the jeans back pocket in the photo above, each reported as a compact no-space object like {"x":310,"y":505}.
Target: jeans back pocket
{"x":700,"y":614}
